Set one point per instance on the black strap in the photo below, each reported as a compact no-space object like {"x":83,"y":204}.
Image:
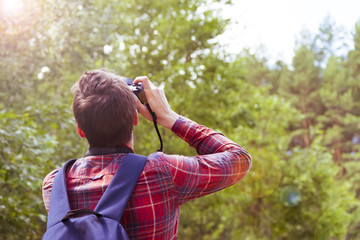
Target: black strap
{"x":93,"y":151}
{"x":78,"y":213}
{"x":156,"y":127}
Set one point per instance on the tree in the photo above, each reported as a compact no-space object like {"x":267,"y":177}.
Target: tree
{"x":352,"y":146}
{"x":353,"y":65}
{"x":336,"y":95}
{"x":251,"y":118}
{"x":301,"y":89}
{"x":25,"y":146}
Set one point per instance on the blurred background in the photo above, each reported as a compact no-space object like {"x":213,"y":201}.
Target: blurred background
{"x":280,"y":78}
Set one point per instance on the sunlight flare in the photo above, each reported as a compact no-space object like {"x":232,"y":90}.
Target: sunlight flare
{"x":11,"y":7}
{"x":17,"y":16}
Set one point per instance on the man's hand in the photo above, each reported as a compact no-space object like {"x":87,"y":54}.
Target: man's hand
{"x":155,"y":96}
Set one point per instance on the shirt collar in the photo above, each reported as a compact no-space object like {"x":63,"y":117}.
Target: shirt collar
{"x":107,"y":150}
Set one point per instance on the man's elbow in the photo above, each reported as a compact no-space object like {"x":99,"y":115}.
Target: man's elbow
{"x":245,"y":161}
{"x":249,"y":158}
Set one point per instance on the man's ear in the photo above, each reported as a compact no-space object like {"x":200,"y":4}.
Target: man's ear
{"x":136,"y":118}
{"x":80,"y":131}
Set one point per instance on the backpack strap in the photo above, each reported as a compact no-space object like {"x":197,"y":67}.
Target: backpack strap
{"x":116,"y":196}
{"x":59,"y":204}
{"x":114,"y":200}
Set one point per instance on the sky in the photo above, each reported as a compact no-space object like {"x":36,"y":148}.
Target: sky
{"x":276,"y":24}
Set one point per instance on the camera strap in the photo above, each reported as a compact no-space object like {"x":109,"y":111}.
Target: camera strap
{"x":156,"y":127}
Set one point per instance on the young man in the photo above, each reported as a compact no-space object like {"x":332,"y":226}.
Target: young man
{"x":105,"y":111}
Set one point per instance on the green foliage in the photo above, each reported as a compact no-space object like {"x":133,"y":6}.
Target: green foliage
{"x":32,"y":143}
{"x":320,"y":190}
{"x":222,"y":215}
{"x":26,"y":151}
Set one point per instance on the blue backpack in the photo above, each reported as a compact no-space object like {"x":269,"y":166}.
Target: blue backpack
{"x":104,"y":221}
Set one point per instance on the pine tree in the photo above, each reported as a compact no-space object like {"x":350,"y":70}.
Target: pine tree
{"x":300,"y":88}
{"x":336,"y":95}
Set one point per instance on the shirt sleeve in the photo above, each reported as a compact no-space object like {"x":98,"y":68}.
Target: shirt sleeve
{"x":220,"y":163}
{"x":47,"y":186}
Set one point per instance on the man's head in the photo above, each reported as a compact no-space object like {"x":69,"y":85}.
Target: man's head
{"x":104,"y":108}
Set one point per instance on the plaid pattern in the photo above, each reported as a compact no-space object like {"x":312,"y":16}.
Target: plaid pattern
{"x":166,"y":182}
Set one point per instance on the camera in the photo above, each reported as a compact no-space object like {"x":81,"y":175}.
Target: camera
{"x":137,"y":89}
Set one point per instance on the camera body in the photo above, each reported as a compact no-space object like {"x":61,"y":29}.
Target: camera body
{"x":137,"y":89}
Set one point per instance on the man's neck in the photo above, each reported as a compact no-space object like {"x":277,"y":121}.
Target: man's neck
{"x":130,"y":144}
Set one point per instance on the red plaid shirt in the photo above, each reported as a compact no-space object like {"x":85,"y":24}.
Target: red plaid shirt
{"x":166,"y":182}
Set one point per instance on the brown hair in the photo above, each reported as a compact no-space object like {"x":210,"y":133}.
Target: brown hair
{"x":104,"y":108}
